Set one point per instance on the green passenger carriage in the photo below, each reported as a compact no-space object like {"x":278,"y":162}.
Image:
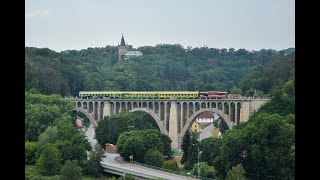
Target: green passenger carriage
{"x":140,"y":94}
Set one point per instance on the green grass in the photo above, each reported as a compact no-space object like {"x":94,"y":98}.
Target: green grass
{"x":215,"y":132}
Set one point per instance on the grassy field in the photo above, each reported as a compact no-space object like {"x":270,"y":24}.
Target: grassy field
{"x":215,"y":132}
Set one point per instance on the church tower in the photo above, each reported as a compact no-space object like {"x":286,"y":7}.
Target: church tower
{"x":122,"y":48}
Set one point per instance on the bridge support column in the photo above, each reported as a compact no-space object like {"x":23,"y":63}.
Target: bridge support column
{"x":99,"y":111}
{"x":223,"y":107}
{"x":236,"y":113}
{"x":165,"y":116}
{"x":245,"y":111}
{"x":106,"y":109}
{"x":94,"y":109}
{"x":194,"y":108}
{"x":181,"y":117}
{"x":188,"y":110}
{"x":173,"y":125}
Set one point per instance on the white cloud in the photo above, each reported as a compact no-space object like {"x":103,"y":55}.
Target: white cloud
{"x":32,"y":14}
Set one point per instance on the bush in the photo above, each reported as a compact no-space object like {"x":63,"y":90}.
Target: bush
{"x":153,"y":157}
{"x":71,"y":171}
{"x":205,"y":170}
{"x":237,"y":172}
{"x":171,"y":165}
{"x":30,"y":152}
{"x":49,"y":161}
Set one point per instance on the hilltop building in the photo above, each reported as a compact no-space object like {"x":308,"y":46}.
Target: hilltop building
{"x":124,"y":54}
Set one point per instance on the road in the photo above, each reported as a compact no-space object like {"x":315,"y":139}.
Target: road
{"x":206,"y":132}
{"x":90,"y":134}
{"x":111,"y":161}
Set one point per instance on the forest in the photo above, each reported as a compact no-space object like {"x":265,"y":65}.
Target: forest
{"x":163,"y":67}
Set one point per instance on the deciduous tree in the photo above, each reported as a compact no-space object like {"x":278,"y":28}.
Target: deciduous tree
{"x":71,"y":171}
{"x":49,"y":161}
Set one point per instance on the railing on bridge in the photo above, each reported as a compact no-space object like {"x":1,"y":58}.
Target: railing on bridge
{"x":123,"y":170}
{"x":169,"y":171}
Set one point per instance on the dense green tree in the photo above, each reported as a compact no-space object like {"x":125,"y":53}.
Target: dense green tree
{"x":110,"y":128}
{"x":92,"y":166}
{"x":223,"y":127}
{"x":205,"y":170}
{"x":166,"y":141}
{"x":194,"y":151}
{"x":237,"y":172}
{"x":71,"y":171}
{"x":49,"y":161}
{"x":141,"y":120}
{"x":235,"y":90}
{"x":138,"y":142}
{"x":134,"y":146}
{"x":281,"y":104}
{"x":269,"y":78}
{"x":289,"y":88}
{"x":152,"y":140}
{"x":30,"y":149}
{"x":264,"y":146}
{"x":154,"y":157}
{"x":185,"y":146}
{"x":71,"y":143}
{"x":48,"y":136}
{"x":42,"y":111}
{"x":170,"y":165}
{"x":210,"y":148}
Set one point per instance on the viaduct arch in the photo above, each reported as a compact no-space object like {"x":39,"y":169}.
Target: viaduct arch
{"x":193,"y":117}
{"x":155,"y":117}
{"x":90,"y":117}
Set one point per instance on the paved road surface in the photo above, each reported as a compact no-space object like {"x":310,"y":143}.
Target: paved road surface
{"x":206,"y":132}
{"x":90,"y":134}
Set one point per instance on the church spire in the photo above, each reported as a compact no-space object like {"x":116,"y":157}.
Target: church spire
{"x":122,"y":41}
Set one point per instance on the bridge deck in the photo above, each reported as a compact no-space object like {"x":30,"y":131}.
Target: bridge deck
{"x":109,"y":163}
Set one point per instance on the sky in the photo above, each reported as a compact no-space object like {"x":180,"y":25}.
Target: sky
{"x":79,"y":24}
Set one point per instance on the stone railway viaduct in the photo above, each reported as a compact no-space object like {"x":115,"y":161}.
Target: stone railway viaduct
{"x":173,"y":116}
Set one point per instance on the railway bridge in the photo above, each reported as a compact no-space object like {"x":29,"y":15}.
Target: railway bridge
{"x":173,"y":116}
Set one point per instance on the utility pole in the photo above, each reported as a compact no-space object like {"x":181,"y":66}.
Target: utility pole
{"x":198,"y":170}
{"x":178,"y":146}
{"x":198,"y":164}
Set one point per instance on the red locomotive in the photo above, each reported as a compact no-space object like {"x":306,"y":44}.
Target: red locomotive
{"x":213,"y":95}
